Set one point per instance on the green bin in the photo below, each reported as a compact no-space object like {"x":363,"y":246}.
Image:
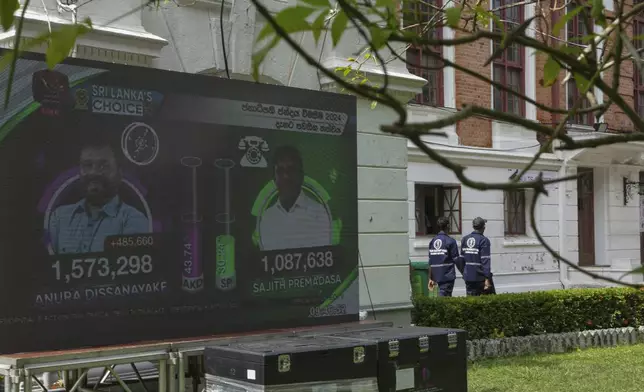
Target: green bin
{"x":419,"y":271}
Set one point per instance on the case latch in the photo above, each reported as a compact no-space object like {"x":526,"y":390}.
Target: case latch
{"x":284,"y":363}
{"x":394,"y":348}
{"x":358,"y":354}
{"x":452,"y":340}
{"x":423,"y":344}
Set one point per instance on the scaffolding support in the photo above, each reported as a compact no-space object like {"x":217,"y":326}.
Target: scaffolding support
{"x":172,"y":359}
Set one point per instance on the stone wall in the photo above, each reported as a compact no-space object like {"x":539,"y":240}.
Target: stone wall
{"x":553,"y":343}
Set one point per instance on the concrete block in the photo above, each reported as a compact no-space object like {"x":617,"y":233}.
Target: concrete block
{"x":613,"y":337}
{"x":640,"y":335}
{"x":552,"y":343}
{"x":470,"y":350}
{"x":569,"y":342}
{"x":492,"y":347}
{"x":584,"y":340}
{"x":632,"y":335}
{"x":556,"y":343}
{"x":604,"y":338}
{"x":596,"y":339}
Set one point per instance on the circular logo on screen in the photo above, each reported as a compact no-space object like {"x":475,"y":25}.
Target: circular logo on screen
{"x":140,"y":143}
{"x":437,"y":244}
{"x":471,"y":242}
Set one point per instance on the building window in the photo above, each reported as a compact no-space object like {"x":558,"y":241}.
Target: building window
{"x":515,"y":212}
{"x":576,"y":30}
{"x":434,"y":201}
{"x":418,"y":15}
{"x":638,"y":30}
{"x":509,"y":68}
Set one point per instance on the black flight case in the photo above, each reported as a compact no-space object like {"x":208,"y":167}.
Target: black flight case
{"x":297,"y":363}
{"x":417,"y":359}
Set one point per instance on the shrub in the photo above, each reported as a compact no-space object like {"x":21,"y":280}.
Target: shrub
{"x":533,"y":313}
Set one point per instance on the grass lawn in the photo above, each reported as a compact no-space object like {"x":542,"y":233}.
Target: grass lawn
{"x":619,"y":369}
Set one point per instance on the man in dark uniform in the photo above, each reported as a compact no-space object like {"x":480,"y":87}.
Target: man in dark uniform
{"x":443,"y":255}
{"x":475,"y":252}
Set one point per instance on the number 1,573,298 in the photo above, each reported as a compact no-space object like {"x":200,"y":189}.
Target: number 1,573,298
{"x":102,"y":267}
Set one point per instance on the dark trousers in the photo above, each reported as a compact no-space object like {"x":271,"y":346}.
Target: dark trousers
{"x":474,"y":289}
{"x":445,"y":289}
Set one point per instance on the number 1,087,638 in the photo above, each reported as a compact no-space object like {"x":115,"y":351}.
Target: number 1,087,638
{"x":297,"y":261}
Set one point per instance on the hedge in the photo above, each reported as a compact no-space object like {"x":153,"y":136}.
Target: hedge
{"x":533,"y":313}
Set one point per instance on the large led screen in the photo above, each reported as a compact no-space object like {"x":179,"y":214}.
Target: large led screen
{"x":140,"y":204}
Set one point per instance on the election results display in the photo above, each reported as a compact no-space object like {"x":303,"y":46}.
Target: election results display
{"x":141,"y":204}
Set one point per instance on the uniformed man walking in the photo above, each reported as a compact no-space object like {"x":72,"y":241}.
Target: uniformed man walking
{"x":443,"y":255}
{"x":475,"y":252}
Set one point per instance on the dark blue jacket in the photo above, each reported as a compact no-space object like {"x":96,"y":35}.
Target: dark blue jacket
{"x":443,"y":254}
{"x":475,"y":252}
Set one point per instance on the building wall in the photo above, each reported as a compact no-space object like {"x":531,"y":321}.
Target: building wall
{"x":617,"y":234}
{"x":615,"y":116}
{"x":470,"y":90}
{"x":521,"y":263}
{"x":480,"y":132}
{"x":382,"y":213}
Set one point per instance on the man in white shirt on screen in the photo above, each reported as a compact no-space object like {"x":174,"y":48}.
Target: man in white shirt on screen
{"x":295,"y":220}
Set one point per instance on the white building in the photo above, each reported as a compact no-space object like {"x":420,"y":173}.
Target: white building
{"x":395,"y":179}
{"x":597,"y":227}
{"x":595,"y":222}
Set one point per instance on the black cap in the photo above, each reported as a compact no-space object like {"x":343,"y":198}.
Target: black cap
{"x":479,"y":223}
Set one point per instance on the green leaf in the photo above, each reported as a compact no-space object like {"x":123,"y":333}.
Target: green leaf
{"x":62,"y":41}
{"x":292,"y":20}
{"x":483,"y":17}
{"x":388,"y":11}
{"x":374,"y":104}
{"x":597,"y":13}
{"x":8,"y":58}
{"x":570,"y":49}
{"x":564,"y":19}
{"x":385,"y":3}
{"x":265,"y":32}
{"x":497,"y":20}
{"x":582,"y":83}
{"x":7,"y":8}
{"x":638,"y":270}
{"x":317,"y":3}
{"x":379,"y":37}
{"x":551,"y":72}
{"x":318,"y":25}
{"x":482,"y":20}
{"x":339,"y":25}
{"x":453,"y":15}
{"x":14,"y":58}
{"x":259,"y":56}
